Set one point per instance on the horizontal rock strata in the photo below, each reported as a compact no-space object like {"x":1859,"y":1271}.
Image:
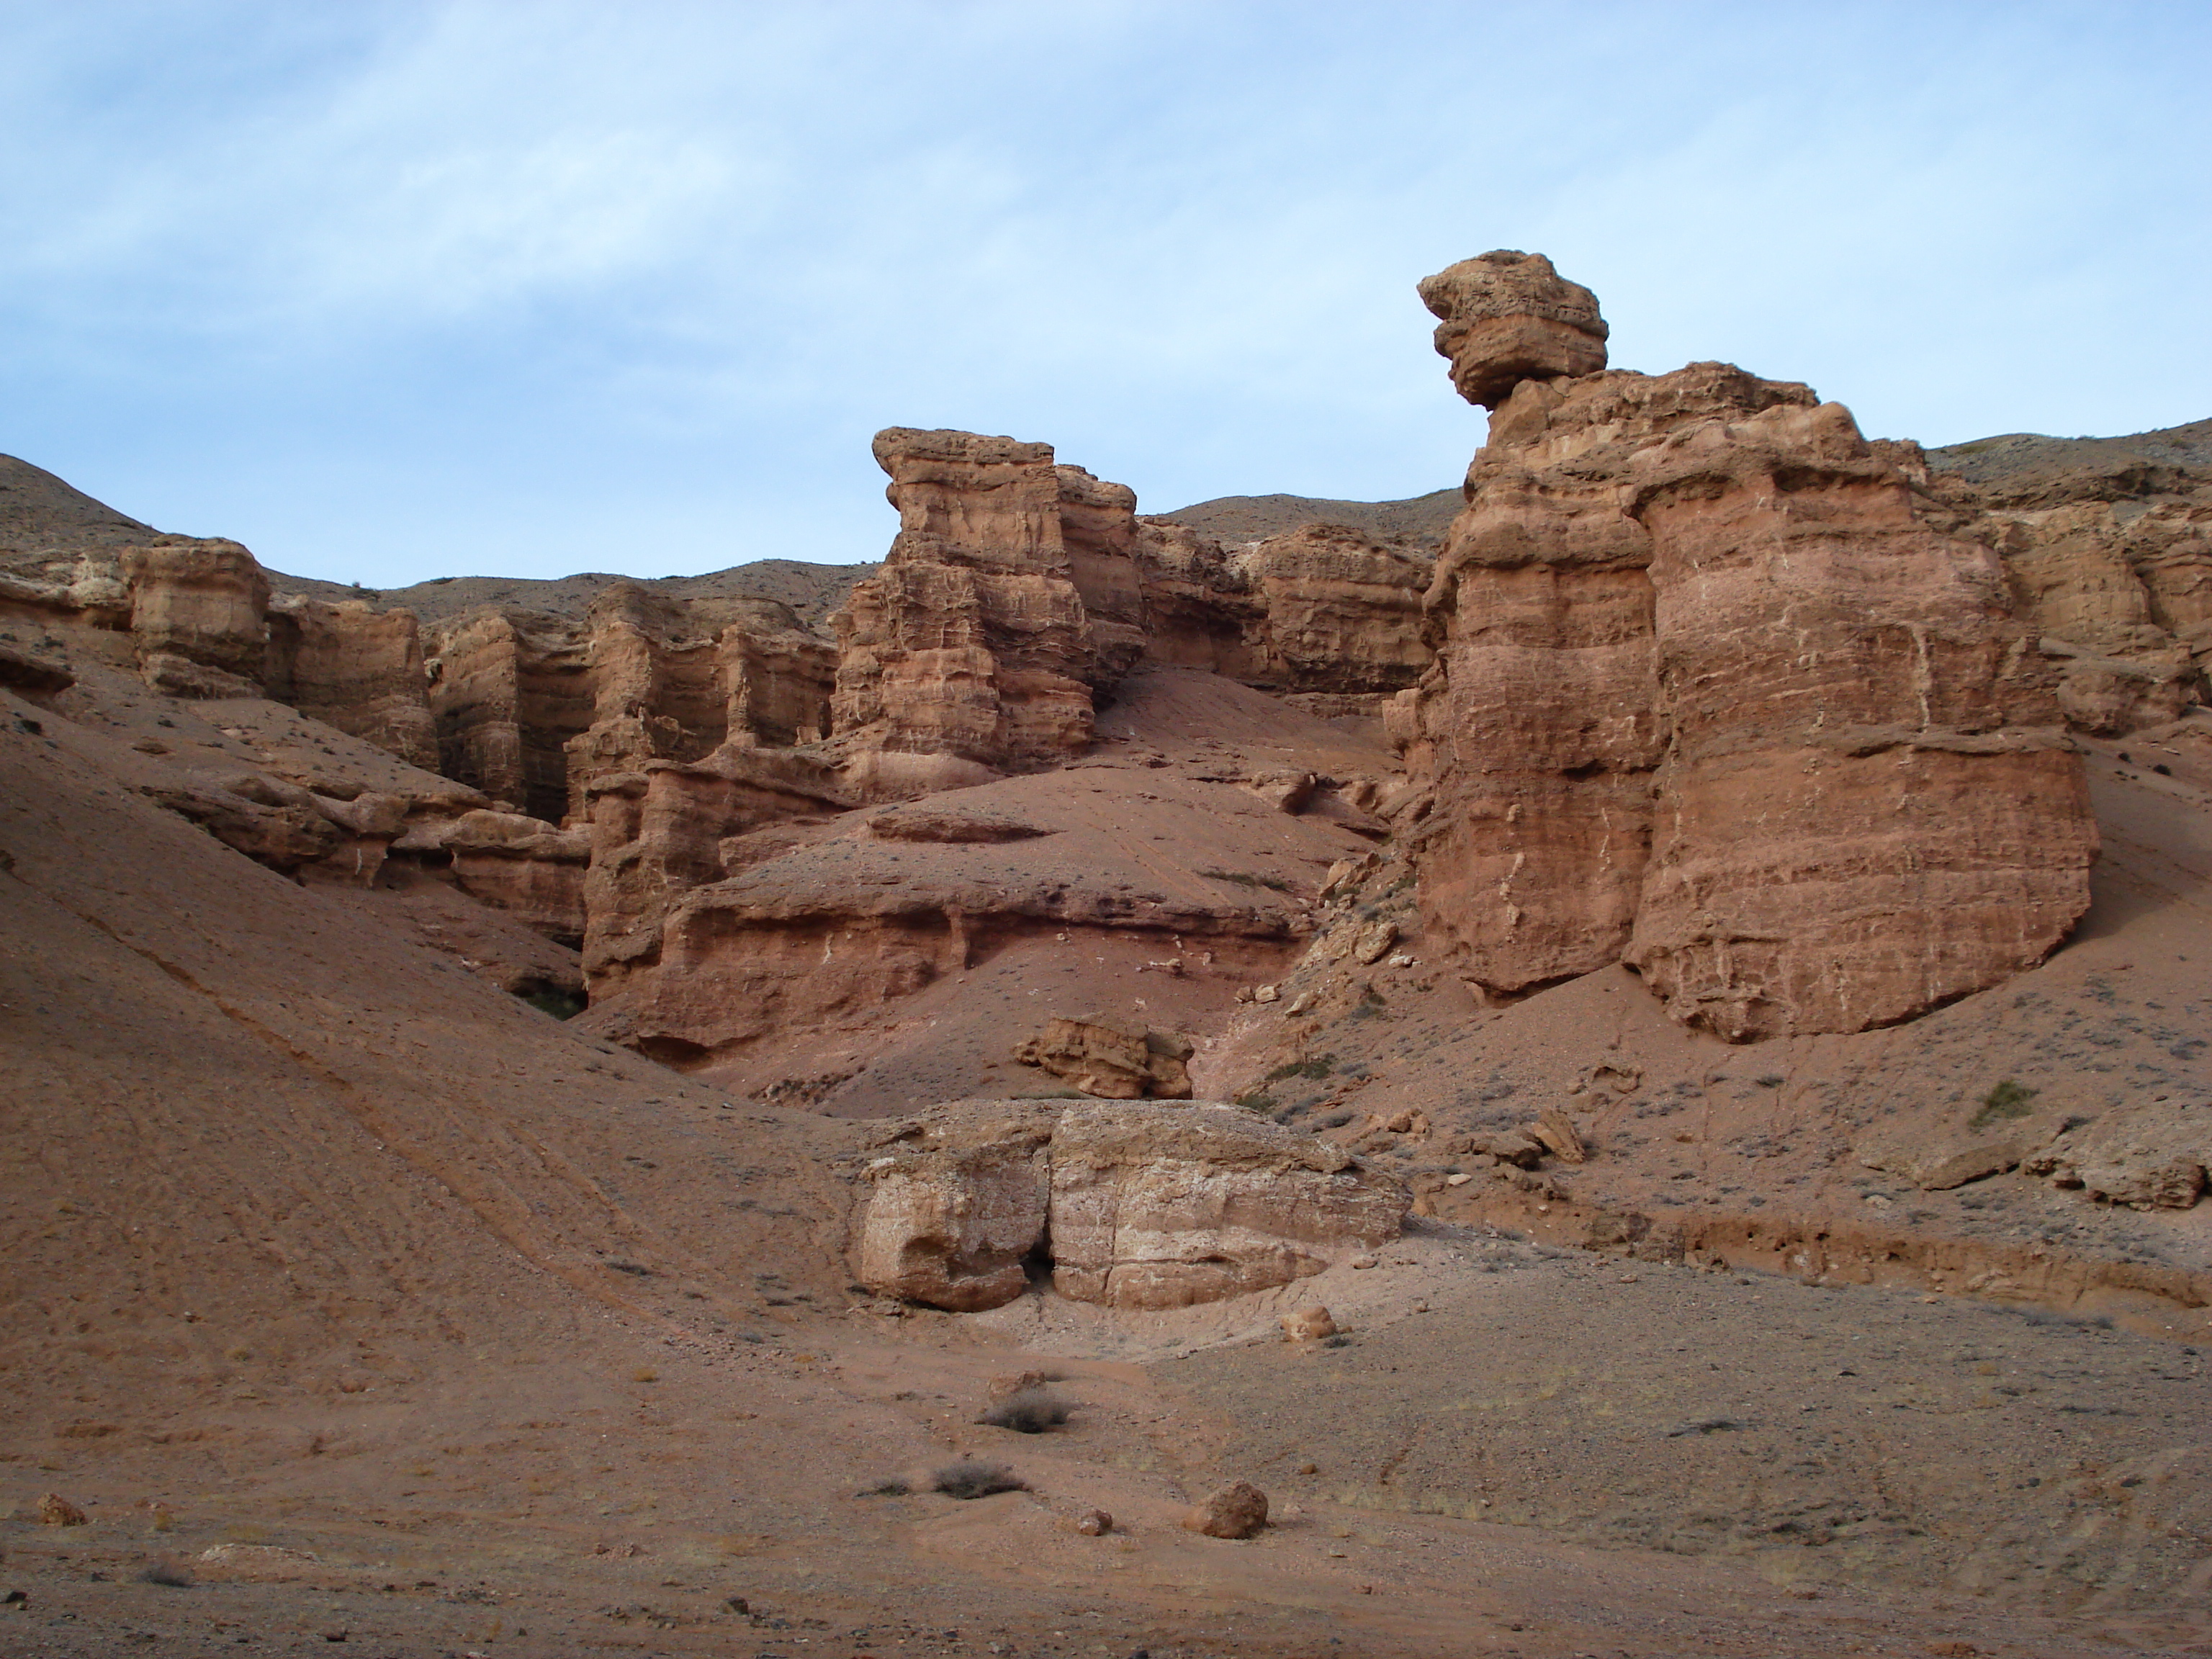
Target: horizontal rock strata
{"x":1713,"y":699}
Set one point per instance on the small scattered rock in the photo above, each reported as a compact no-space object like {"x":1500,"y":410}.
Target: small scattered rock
{"x":1362,"y":1262}
{"x":1459,"y":1179}
{"x":1557,"y":1135}
{"x":56,"y":1510}
{"x":1267,"y":993}
{"x":1237,"y":1510}
{"x":1374,"y":943}
{"x":1309,"y":1325}
{"x":1094,"y":1523}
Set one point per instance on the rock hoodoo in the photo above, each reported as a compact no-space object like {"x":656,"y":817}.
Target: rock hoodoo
{"x":1713,"y":699}
{"x":1510,"y":316}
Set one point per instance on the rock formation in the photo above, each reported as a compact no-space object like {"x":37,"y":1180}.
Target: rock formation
{"x":973,"y":642}
{"x":1109,"y":1059}
{"x":1162,"y":1207}
{"x":1135,"y":1206}
{"x":1507,"y":317}
{"x":957,"y":1202}
{"x":1711,"y":699}
{"x":2108,"y":547}
{"x":358,"y":669}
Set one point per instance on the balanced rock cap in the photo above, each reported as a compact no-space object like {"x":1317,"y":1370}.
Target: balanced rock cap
{"x":1510,"y":316}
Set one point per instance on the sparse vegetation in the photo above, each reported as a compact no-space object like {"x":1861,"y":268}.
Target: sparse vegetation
{"x":1029,"y":1411}
{"x":1317,"y":1066}
{"x":891,"y":1488}
{"x":973,"y":1478}
{"x":1247,"y":878}
{"x":2008,"y":1100}
{"x":170,"y":1573}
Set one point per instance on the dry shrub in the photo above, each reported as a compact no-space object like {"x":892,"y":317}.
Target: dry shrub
{"x":972,"y":1478}
{"x":1030,"y":1411}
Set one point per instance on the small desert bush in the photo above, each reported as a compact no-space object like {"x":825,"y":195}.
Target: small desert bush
{"x":891,"y":1488}
{"x":170,"y":1573}
{"x":972,"y":1478}
{"x":1029,"y":1411}
{"x":2007,"y":1100}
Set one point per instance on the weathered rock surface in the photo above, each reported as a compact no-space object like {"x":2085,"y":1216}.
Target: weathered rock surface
{"x":972,"y":642}
{"x":2149,"y":1158}
{"x":1236,"y":1511}
{"x":1712,"y":700}
{"x":196,"y":617}
{"x":1137,"y":1205}
{"x":1508,"y":317}
{"x":1162,"y":1207}
{"x":957,"y":1202}
{"x":2107,"y":544}
{"x":1110,"y":1058}
{"x":357,"y":669}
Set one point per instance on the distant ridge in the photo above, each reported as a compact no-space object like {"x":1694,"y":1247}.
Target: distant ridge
{"x":1420,"y":521}
{"x":2020,"y":464}
{"x":812,"y":591}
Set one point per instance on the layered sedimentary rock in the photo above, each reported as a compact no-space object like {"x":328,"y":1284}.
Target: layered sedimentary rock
{"x":660,"y":832}
{"x":1162,"y":1207}
{"x":675,"y":681}
{"x":196,"y":617}
{"x":355,"y":668}
{"x":957,"y":1202}
{"x":509,"y":689}
{"x":972,"y":642}
{"x":1342,"y":610}
{"x":1132,"y":1205}
{"x":1712,"y":699}
{"x":1507,"y":317}
{"x":1111,"y":1058}
{"x":2109,"y":558}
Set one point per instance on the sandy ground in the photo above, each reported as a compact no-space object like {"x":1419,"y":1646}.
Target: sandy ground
{"x":320,"y":1241}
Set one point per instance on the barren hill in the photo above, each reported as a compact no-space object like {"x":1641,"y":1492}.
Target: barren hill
{"x":1420,"y":521}
{"x":812,"y":591}
{"x":1635,"y":1076}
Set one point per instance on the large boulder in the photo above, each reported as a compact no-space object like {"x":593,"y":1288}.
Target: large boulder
{"x":1111,"y":1059}
{"x":1162,"y":1207}
{"x":957,"y":1202}
{"x":1508,"y":317}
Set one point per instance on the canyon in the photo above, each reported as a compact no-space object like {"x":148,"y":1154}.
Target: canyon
{"x":1713,"y":869}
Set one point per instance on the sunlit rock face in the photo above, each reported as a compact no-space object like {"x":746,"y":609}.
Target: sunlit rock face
{"x":1712,"y":698}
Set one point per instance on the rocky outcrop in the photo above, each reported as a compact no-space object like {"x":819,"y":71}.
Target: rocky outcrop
{"x":973,"y":642}
{"x":509,"y":689}
{"x":1132,"y":1205}
{"x":2110,"y":559}
{"x":526,"y":867}
{"x":1018,"y":592}
{"x":1507,"y":317}
{"x":1712,"y":699}
{"x":658,"y":833}
{"x":957,"y":1203}
{"x":1342,"y":611}
{"x":357,"y":669}
{"x":1110,"y":1058}
{"x":196,"y":617}
{"x":1162,"y":1207}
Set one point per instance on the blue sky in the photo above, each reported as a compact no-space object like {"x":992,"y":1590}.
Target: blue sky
{"x":395,"y":290}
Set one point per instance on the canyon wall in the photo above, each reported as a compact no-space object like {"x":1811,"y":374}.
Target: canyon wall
{"x":1714,"y":698}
